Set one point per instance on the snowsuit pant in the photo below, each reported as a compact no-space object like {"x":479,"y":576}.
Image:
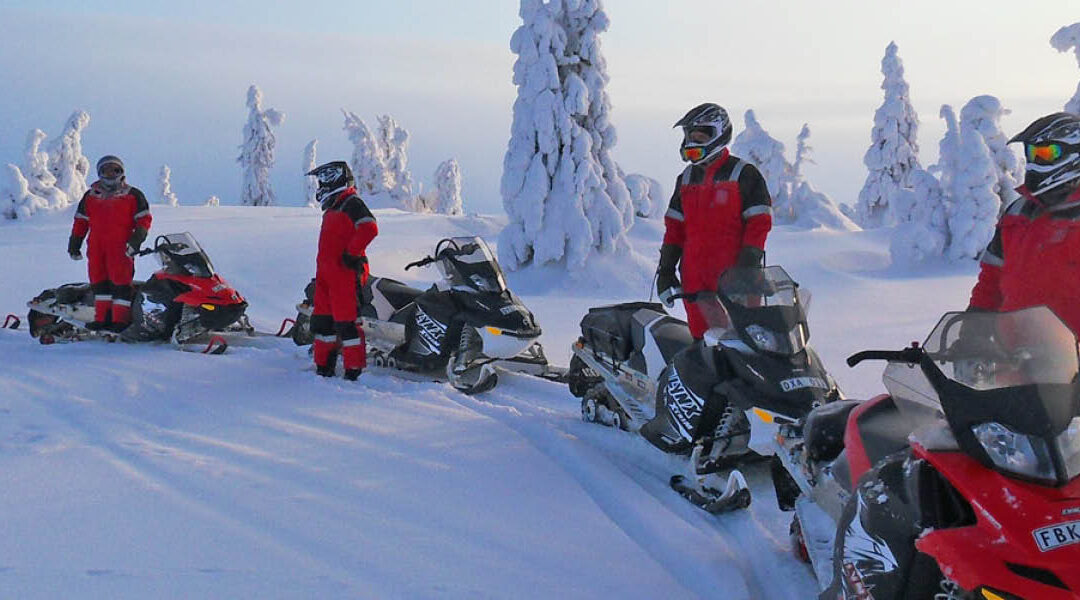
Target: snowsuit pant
{"x":111,"y":271}
{"x":700,"y":318}
{"x":333,"y":319}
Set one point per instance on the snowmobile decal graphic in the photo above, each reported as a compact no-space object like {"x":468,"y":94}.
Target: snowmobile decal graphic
{"x":431,"y":332}
{"x":685,"y":406}
{"x":865,"y":555}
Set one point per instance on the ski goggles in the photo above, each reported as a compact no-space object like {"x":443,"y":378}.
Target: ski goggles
{"x":693,"y":154}
{"x":1045,"y":154}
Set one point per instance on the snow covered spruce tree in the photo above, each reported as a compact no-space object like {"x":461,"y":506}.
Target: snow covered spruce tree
{"x":66,"y":160}
{"x":311,"y":183}
{"x":894,"y":149}
{"x":767,"y":154}
{"x":969,"y":178}
{"x":165,"y":193}
{"x":809,"y":207}
{"x":16,"y":199}
{"x":560,"y":187}
{"x":368,"y":163}
{"x":394,"y":144}
{"x":1065,"y":39}
{"x":447,"y":197}
{"x":39,"y":176}
{"x":257,"y":152}
{"x":983,"y":114}
{"x":212,"y":201}
{"x":646,"y":195}
{"x":924,"y":233}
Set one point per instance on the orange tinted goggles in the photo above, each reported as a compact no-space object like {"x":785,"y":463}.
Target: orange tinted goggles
{"x":1045,"y":153}
{"x":697,"y":153}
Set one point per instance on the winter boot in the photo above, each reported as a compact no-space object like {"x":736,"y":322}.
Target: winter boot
{"x":325,"y":371}
{"x":352,"y":374}
{"x":98,"y":325}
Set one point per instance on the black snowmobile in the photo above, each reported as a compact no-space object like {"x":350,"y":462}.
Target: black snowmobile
{"x":185,"y":302}
{"x":458,"y":330}
{"x":722,"y":399}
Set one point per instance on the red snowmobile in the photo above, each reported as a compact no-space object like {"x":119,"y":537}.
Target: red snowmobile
{"x":185,"y":302}
{"x":963,"y":482}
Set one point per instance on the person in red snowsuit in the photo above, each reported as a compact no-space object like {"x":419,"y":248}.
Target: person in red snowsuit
{"x":117,"y":217}
{"x":1034,"y":256}
{"x":347,"y":228}
{"x":718,"y":217}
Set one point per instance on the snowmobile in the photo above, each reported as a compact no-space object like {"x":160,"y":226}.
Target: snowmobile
{"x":635,"y":367}
{"x":459,"y":330}
{"x":963,"y":481}
{"x":185,"y":302}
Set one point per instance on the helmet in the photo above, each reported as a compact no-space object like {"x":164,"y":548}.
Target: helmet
{"x":1052,"y":150}
{"x":109,"y":177}
{"x":707,"y":118}
{"x":333,"y":177}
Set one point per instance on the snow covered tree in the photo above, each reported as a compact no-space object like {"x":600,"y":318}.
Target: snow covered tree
{"x":212,"y":201}
{"x":39,"y":176}
{"x":802,"y":154}
{"x":560,"y":187}
{"x":368,"y":163}
{"x":969,"y":178}
{"x":311,"y":183}
{"x":166,"y":195}
{"x":809,"y":207}
{"x":647,"y":196}
{"x":983,"y":114}
{"x":16,"y":199}
{"x":257,"y":152}
{"x":894,"y":149}
{"x":446,"y":198}
{"x":394,"y":143}
{"x":1065,"y":39}
{"x":66,"y":160}
{"x":924,"y":234}
{"x":767,"y":154}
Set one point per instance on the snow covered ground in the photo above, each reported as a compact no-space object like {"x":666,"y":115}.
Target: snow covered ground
{"x":139,"y":471}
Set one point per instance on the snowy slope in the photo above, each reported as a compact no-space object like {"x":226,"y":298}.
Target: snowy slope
{"x":139,"y":471}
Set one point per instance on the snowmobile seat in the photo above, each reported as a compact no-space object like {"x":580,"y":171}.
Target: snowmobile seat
{"x":74,"y":293}
{"x":396,"y":293}
{"x":824,"y":429}
{"x":671,"y":335}
{"x":610,"y":329}
{"x":876,"y":429}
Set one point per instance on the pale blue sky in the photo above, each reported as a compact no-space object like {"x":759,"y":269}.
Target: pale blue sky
{"x":165,"y":81}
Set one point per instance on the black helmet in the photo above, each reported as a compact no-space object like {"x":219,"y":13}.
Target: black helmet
{"x":113,"y":180}
{"x":711,"y":119}
{"x":333,"y":177}
{"x":1052,"y":150}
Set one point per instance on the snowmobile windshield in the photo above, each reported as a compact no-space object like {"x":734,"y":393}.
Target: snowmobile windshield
{"x":765,"y":308}
{"x":991,"y":350}
{"x":180,"y":254}
{"x":468,"y":264}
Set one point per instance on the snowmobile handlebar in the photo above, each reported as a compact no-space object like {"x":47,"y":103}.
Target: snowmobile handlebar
{"x":911,"y":355}
{"x":423,"y":262}
{"x":447,"y":251}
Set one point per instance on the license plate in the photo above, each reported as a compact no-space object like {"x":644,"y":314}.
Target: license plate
{"x":1056,"y":536}
{"x":798,"y":383}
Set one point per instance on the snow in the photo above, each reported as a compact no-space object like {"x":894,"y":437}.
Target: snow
{"x":646,"y":195}
{"x":1065,"y":39}
{"x":446,"y":198}
{"x":257,"y":151}
{"x":165,"y":193}
{"x":983,"y":114}
{"x":131,"y":471}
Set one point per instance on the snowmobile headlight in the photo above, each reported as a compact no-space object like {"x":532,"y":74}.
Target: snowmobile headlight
{"x":1016,"y":453}
{"x":1068,"y":444}
{"x":763,"y":338}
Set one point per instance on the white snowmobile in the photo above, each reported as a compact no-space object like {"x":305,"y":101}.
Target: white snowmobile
{"x":459,"y":330}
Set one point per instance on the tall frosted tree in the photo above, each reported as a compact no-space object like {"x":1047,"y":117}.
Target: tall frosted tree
{"x":66,"y":160}
{"x":969,"y":179}
{"x":311,"y":183}
{"x":767,"y":154}
{"x":810,"y":208}
{"x":165,"y":193}
{"x":16,"y":199}
{"x":646,"y":195}
{"x":983,"y":114}
{"x":562,"y":190}
{"x":39,"y":177}
{"x":447,"y":197}
{"x":1065,"y":39}
{"x":368,"y":163}
{"x":394,"y":145}
{"x":894,"y":149}
{"x":257,"y":152}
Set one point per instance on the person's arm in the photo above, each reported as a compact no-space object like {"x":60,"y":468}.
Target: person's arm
{"x":986,"y":295}
{"x":142,"y":222}
{"x":79,"y":229}
{"x":674,"y":229}
{"x":364,"y":231}
{"x":756,"y":216}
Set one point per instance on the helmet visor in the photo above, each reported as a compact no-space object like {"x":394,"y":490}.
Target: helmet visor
{"x":699,"y":134}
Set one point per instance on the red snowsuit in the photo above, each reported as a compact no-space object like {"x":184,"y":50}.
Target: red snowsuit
{"x":110,"y":217}
{"x":347,"y":229}
{"x":717,"y":209}
{"x":1033,"y":259}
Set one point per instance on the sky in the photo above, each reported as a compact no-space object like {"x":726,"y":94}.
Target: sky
{"x":165,"y":82}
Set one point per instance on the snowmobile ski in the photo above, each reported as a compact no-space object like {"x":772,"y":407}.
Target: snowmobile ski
{"x":735,"y":495}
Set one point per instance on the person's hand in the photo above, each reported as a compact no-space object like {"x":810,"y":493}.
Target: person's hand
{"x":131,"y":251}
{"x":76,"y":255}
{"x":667,"y":295}
{"x":75,"y":247}
{"x":356,"y":263}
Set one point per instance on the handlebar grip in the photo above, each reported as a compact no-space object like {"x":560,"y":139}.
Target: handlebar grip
{"x":420,"y":263}
{"x":908,"y":355}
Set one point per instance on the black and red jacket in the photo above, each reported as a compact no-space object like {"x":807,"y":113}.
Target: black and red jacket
{"x":347,"y":228}
{"x":717,"y":208}
{"x":110,"y":216}
{"x":1033,"y":259}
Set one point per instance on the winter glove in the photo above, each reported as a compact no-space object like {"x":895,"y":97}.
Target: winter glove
{"x":135,"y":241}
{"x":75,"y":247}
{"x":356,"y":263}
{"x":667,"y":283}
{"x":749,"y":256}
